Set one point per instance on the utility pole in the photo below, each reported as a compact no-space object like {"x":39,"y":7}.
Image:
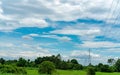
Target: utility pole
{"x":89,"y":58}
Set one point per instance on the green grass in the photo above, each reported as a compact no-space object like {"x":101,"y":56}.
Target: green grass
{"x":99,"y":73}
{"x":70,"y":72}
{"x":33,"y":71}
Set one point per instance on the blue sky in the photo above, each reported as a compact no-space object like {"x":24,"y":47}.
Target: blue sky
{"x":32,"y":28}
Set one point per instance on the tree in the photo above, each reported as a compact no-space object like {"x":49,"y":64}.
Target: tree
{"x":74,"y":61}
{"x":70,"y":65}
{"x":99,"y":67}
{"x":117,"y":65}
{"x":21,"y":62}
{"x":2,"y":61}
{"x":57,"y":61}
{"x":77,"y":67}
{"x":90,"y":71}
{"x":64,"y":65}
{"x":38,"y":61}
{"x":46,"y":67}
{"x":111,"y":61}
{"x":105,"y":68}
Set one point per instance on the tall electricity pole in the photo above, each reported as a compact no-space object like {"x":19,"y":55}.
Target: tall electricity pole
{"x":89,"y":58}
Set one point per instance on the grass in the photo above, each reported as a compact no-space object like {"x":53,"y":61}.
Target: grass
{"x":33,"y":71}
{"x":99,"y":73}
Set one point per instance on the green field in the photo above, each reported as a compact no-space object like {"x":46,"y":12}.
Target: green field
{"x":63,"y":72}
{"x":31,"y":71}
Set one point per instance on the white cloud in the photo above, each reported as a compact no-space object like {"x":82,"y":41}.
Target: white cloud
{"x":22,"y":50}
{"x":92,"y":44}
{"x":61,"y":38}
{"x":80,"y":32}
{"x":28,"y":13}
{"x":83,"y":54}
{"x":27,"y":37}
{"x":30,"y":54}
{"x":6,"y":45}
{"x":33,"y":22}
{"x":34,"y":35}
{"x":25,"y":54}
{"x":84,"y":33}
{"x":30,"y":36}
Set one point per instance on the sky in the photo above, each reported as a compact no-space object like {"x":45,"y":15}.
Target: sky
{"x":33,"y":28}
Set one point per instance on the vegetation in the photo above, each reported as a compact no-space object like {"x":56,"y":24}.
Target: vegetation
{"x":12,"y":69}
{"x":49,"y":63}
{"x":46,"y":67}
{"x":90,"y":71}
{"x":34,"y":71}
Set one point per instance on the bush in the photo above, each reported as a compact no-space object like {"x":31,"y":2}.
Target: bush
{"x":46,"y":67}
{"x":21,"y":62}
{"x":90,"y":71}
{"x":21,"y":70}
{"x":77,"y":67}
{"x":106,"y":68}
{"x":12,"y":69}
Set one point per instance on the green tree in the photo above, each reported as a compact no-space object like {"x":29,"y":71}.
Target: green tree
{"x":46,"y":67}
{"x":38,"y":61}
{"x":74,"y":61}
{"x":90,"y":71}
{"x":117,"y":65}
{"x":77,"y":67}
{"x":70,"y":66}
{"x":105,"y":68}
{"x":64,"y":65}
{"x":21,"y":62}
{"x":57,"y":61}
{"x":2,"y":61}
{"x":99,"y":67}
{"x":111,"y":61}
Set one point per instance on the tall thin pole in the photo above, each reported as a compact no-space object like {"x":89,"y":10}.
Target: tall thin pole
{"x":89,"y":57}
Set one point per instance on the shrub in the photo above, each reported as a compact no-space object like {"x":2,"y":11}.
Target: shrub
{"x":12,"y":69}
{"x":46,"y":67}
{"x":90,"y":71}
{"x":21,"y":70}
{"x":21,"y":62}
{"x":77,"y":67}
{"x":106,"y":68}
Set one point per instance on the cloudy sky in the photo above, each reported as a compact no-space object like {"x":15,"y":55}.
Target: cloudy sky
{"x":32,"y":28}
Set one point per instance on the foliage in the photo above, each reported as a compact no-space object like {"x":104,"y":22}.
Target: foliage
{"x":72,"y":64}
{"x":105,"y":68}
{"x":74,"y":61}
{"x":12,"y":69}
{"x":111,"y":61}
{"x":46,"y":67}
{"x":77,"y":67}
{"x":21,"y":62}
{"x":90,"y":71}
{"x":117,"y":65}
{"x":2,"y":61}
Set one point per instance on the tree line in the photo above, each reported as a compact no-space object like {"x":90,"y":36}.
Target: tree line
{"x":112,"y":66}
{"x":58,"y":62}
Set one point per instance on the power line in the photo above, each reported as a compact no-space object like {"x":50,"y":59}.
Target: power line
{"x":114,"y":10}
{"x":117,"y":17}
{"x":109,"y":10}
